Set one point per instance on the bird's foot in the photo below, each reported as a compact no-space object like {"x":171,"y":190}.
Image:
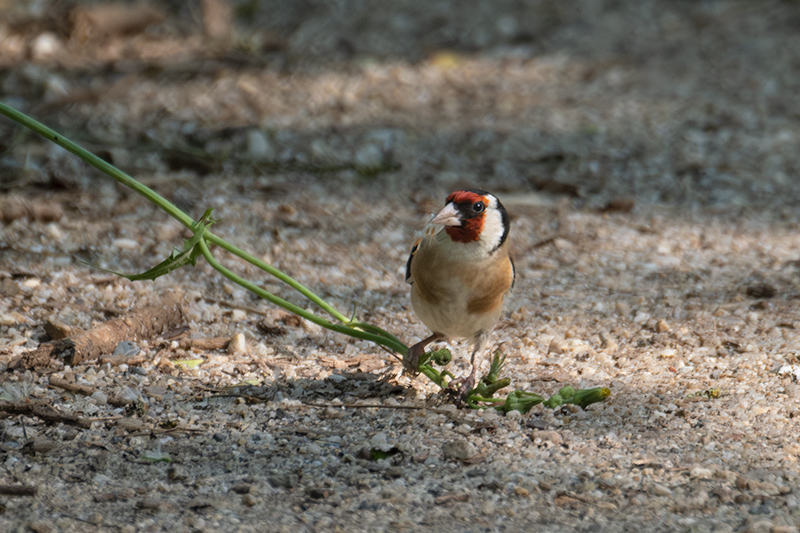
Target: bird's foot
{"x":465,"y":386}
{"x":413,"y":355}
{"x":411,"y":359}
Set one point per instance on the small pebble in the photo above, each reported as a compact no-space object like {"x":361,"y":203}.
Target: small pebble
{"x":125,"y":244}
{"x":622,"y":308}
{"x":282,"y":481}
{"x":316,"y":493}
{"x":556,"y":346}
{"x":149,"y":504}
{"x":8,"y":287}
{"x":126,"y":348}
{"x":176,"y":474}
{"x":259,"y":147}
{"x":126,"y":493}
{"x":659,"y":490}
{"x":521,"y":491}
{"x":700,"y":472}
{"x":458,"y":450}
{"x":40,"y":526}
{"x":536,"y":423}
{"x":369,"y":158}
{"x":668,"y":353}
{"x":238,"y":344}
{"x":242,"y":488}
{"x":487,"y":508}
{"x":45,"y":46}
{"x":31,"y":283}
{"x":99,"y":397}
{"x":54,"y":231}
{"x":42,"y":445}
{"x":792,"y":391}
{"x":554,"y":437}
{"x":759,"y":526}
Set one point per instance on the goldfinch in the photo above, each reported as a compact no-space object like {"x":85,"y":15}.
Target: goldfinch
{"x":459,"y":272}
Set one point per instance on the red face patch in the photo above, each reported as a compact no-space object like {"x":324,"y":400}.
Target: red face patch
{"x":464,"y":197}
{"x":468,"y":231}
{"x":471,"y":224}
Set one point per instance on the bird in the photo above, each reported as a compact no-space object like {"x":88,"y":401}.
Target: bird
{"x":460,"y":271}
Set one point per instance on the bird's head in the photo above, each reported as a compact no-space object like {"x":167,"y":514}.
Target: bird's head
{"x":474,"y":216}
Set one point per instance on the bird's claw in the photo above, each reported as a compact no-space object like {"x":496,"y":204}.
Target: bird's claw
{"x":411,"y":362}
{"x":465,"y":387}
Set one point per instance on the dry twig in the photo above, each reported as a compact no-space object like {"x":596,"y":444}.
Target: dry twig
{"x":88,"y":345}
{"x":86,"y":390}
{"x":46,"y":412}
{"x":17,"y":490}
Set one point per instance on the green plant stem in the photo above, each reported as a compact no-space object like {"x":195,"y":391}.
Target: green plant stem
{"x":382,"y":339}
{"x":369,"y":328}
{"x":477,"y":398}
{"x":170,"y":208}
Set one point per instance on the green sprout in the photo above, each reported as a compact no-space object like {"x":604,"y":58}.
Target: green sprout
{"x":441,"y":358}
{"x":521,"y":401}
{"x":489,"y":384}
{"x":580,"y":397}
{"x":524,"y":401}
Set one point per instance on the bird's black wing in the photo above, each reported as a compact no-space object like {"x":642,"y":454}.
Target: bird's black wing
{"x":409,"y":279}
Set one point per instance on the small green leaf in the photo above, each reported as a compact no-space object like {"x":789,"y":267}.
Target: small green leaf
{"x":178,"y":258}
{"x":156,"y":457}
{"x":245,"y":383}
{"x":436,"y":376}
{"x":440,"y":357}
{"x":586,"y":397}
{"x":376,"y":454}
{"x":567,"y":392}
{"x":498,"y":360}
{"x":488,"y":389}
{"x":188,"y":363}
{"x":555,"y":401}
{"x":521,"y":401}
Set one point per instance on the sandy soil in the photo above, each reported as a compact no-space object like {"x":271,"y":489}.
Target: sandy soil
{"x":647,"y":153}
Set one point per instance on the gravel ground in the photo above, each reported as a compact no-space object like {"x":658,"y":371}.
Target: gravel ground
{"x":646,"y":151}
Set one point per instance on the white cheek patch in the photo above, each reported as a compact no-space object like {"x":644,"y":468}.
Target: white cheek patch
{"x":493,"y":228}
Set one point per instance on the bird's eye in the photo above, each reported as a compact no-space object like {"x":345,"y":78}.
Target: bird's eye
{"x":478,"y":207}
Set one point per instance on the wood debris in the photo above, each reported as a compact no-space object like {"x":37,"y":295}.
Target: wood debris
{"x":86,"y":391}
{"x":14,"y":208}
{"x":46,"y":412}
{"x":92,"y":23}
{"x":17,"y":490}
{"x":88,"y":345}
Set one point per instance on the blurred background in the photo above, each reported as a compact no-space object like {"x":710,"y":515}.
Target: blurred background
{"x":609,"y":104}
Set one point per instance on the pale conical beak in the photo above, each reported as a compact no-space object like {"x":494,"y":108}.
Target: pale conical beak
{"x":448,"y":216}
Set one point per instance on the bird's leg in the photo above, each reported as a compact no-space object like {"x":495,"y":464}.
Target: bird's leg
{"x":478,"y":347}
{"x":411,"y":358}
